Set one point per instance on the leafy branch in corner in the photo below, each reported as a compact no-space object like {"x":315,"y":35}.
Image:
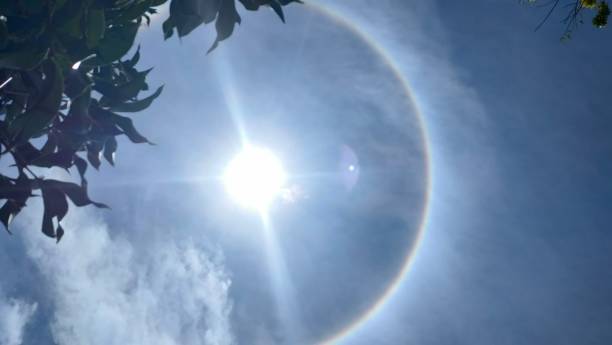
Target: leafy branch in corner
{"x":67,"y":87}
{"x":599,"y":10}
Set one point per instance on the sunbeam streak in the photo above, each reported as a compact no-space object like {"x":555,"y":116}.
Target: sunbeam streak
{"x":282,"y":287}
{"x":280,"y":280}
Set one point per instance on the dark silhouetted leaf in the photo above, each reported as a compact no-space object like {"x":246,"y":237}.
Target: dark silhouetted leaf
{"x":36,"y":119}
{"x":131,"y":63}
{"x":62,"y":159}
{"x":59,"y":233}
{"x":4,"y":35}
{"x":110,"y":147}
{"x":127,"y":126}
{"x":77,"y":84}
{"x":278,"y":8}
{"x":139,"y":105}
{"x":117,"y":42}
{"x":49,"y":146}
{"x":227,"y":18}
{"x":8,"y":212}
{"x":93,"y":154}
{"x":56,"y":206}
{"x":25,"y":59}
{"x":53,"y":56}
{"x":81,"y":166}
{"x":96,"y":25}
{"x":77,"y":194}
{"x":116,"y":93}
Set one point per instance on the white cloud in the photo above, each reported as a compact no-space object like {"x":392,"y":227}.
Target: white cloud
{"x":105,"y":290}
{"x":14,"y":315}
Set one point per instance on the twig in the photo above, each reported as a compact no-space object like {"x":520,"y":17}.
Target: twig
{"x":4,"y":83}
{"x":552,"y":9}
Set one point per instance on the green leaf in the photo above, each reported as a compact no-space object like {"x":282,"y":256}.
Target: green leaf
{"x":32,"y":6}
{"x":4,"y":35}
{"x":139,"y":105}
{"x":78,"y":84}
{"x":117,"y":42}
{"x":23,"y":59}
{"x":40,"y":115}
{"x":69,"y":19}
{"x":135,"y":11}
{"x":96,"y":25}
{"x":114,"y":94}
{"x":58,"y":4}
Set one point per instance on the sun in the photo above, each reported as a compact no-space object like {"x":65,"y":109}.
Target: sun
{"x":254,"y":178}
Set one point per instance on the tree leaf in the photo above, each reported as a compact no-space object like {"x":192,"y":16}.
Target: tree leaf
{"x":110,"y":147}
{"x":4,"y":35}
{"x":227,"y":18}
{"x":77,"y":194}
{"x":139,"y":105}
{"x":168,"y":27}
{"x":49,"y":146}
{"x":134,"y":60}
{"x":32,"y":6}
{"x":18,"y":191}
{"x":117,"y":93}
{"x":96,"y":25}
{"x":278,"y":8}
{"x":135,"y":11}
{"x":54,"y":200}
{"x":59,"y":233}
{"x":23,"y":59}
{"x":81,"y":166}
{"x":32,"y":122}
{"x":8,"y":212}
{"x":127,"y":126}
{"x":55,"y":204}
{"x":117,"y":42}
{"x":93,"y":154}
{"x":69,"y":18}
{"x":62,"y":159}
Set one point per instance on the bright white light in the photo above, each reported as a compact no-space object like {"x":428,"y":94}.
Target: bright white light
{"x":254,"y":178}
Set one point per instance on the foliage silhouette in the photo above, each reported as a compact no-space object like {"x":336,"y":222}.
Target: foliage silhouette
{"x":576,"y":10}
{"x":64,"y":77}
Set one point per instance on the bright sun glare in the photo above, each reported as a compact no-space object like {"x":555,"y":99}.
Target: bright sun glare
{"x":254,"y":178}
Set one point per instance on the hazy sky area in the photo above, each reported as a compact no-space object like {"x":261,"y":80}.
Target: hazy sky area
{"x":501,"y":148}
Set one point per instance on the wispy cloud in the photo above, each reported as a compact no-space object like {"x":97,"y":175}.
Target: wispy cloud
{"x":105,"y":290}
{"x":14,"y":316}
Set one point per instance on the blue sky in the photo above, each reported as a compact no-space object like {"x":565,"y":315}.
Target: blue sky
{"x":516,"y":248}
